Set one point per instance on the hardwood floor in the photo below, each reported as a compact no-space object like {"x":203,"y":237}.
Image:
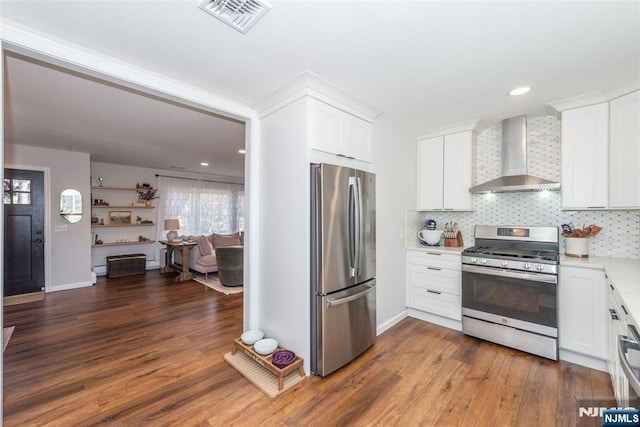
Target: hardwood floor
{"x":145,"y":351}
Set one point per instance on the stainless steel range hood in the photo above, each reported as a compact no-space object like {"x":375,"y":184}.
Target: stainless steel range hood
{"x":514,"y":163}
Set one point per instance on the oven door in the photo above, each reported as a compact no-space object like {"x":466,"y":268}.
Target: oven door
{"x":524,"y":300}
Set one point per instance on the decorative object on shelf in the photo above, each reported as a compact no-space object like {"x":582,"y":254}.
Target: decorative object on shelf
{"x":138,"y":219}
{"x":101,"y":221}
{"x":146,"y":193}
{"x":119,"y":217}
{"x":143,"y":239}
{"x":172,"y":225}
{"x":577,"y":240}
{"x":100,"y":202}
{"x":94,"y":220}
{"x":101,"y":179}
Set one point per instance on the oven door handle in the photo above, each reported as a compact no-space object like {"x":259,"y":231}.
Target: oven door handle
{"x":533,"y":277}
{"x":623,"y":343}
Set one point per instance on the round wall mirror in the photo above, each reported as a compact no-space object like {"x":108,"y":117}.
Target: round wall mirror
{"x":71,"y":205}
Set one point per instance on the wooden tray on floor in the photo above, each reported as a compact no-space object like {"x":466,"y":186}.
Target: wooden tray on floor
{"x":265,"y":361}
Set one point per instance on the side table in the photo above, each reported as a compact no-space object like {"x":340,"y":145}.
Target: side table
{"x":170,"y":266}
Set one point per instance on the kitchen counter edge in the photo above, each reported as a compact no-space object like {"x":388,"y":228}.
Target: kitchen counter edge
{"x":437,"y":249}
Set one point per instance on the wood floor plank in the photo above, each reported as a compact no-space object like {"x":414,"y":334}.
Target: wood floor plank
{"x":146,"y":351}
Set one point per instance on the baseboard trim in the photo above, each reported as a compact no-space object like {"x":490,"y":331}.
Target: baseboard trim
{"x":24,"y":298}
{"x":438,"y":320}
{"x":391,"y":322}
{"x":583,"y":360}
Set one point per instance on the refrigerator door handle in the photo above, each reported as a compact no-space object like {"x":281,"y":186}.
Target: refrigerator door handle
{"x":353,"y":223}
{"x":359,"y":225}
{"x":339,"y":301}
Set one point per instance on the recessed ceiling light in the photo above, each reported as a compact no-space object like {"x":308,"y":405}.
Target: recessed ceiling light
{"x":242,"y":151}
{"x":204,"y":164}
{"x":520,"y":90}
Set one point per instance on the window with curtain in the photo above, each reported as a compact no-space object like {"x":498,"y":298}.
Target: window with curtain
{"x":202,"y":207}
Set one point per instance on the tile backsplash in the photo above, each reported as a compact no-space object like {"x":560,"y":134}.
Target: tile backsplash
{"x":620,"y":235}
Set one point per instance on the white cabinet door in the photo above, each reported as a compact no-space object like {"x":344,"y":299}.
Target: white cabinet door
{"x":445,"y":172}
{"x":357,"y":138}
{"x":624,"y":152}
{"x":338,"y":132}
{"x":430,"y":173}
{"x":458,"y":171}
{"x":584,"y":164}
{"x":327,"y":128}
{"x":583,"y":311}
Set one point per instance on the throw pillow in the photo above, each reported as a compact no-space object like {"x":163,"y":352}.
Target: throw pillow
{"x":226,"y":240}
{"x":204,"y":246}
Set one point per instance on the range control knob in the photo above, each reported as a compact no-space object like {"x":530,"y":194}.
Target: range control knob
{"x":539,"y":267}
{"x":474,"y":260}
{"x":483,"y":261}
{"x":505,"y":264}
{"x":526,"y":266}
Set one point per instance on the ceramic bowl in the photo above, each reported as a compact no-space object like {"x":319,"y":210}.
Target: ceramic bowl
{"x":265,"y":346}
{"x":430,"y":237}
{"x":250,"y":337}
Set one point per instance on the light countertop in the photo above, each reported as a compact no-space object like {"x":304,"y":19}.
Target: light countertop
{"x":437,"y":249}
{"x":624,"y":273}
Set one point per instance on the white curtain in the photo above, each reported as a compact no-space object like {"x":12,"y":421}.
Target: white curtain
{"x":202,"y":207}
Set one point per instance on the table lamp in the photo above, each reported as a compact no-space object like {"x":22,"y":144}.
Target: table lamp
{"x":172,"y":225}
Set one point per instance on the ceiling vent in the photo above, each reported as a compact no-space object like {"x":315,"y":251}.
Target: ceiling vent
{"x":239,"y":14}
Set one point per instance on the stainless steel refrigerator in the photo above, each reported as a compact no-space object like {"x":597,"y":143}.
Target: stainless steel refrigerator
{"x":343,"y":265}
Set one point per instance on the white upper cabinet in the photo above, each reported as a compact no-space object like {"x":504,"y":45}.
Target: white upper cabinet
{"x":338,"y":132}
{"x":584,"y":164}
{"x":430,"y":173}
{"x":624,"y":152}
{"x":445,"y":172}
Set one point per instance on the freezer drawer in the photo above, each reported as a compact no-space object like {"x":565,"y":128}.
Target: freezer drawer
{"x":345,"y":326}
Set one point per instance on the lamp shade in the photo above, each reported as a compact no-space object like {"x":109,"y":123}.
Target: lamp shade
{"x":172,"y":225}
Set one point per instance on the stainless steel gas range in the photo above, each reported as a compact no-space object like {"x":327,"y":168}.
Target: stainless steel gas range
{"x":509,"y":288}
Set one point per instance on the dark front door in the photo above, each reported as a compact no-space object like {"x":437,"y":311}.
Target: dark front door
{"x":23,"y":200}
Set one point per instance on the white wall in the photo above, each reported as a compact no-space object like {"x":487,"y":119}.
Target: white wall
{"x":284,"y":234}
{"x":68,"y":256}
{"x":395,"y":167}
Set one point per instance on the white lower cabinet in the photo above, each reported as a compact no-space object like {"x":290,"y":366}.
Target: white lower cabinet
{"x":616,"y":328}
{"x":583,"y":311}
{"x":434,"y":283}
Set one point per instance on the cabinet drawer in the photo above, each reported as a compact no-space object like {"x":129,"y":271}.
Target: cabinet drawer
{"x":436,"y":259}
{"x":442,"y":304}
{"x":435,"y":278}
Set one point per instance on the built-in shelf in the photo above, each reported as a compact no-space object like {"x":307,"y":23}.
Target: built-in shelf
{"x":122,"y":225}
{"x":123,"y":243}
{"x":117,"y":188}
